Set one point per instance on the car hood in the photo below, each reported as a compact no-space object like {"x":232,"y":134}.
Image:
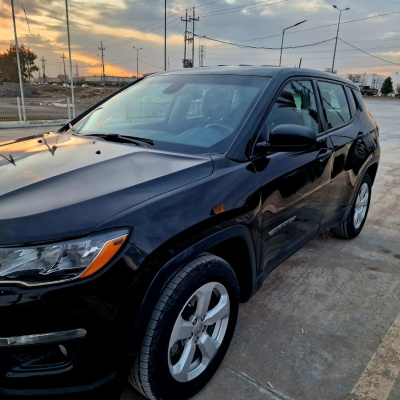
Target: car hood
{"x":55,"y":186}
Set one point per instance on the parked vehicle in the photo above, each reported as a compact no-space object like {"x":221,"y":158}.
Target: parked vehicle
{"x":368,"y":91}
{"x":129,"y":237}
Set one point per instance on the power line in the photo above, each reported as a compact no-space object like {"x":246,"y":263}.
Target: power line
{"x":316,"y":27}
{"x":154,"y":23}
{"x":345,"y":22}
{"x":379,"y":58}
{"x":262,"y":47}
{"x":206,"y":4}
{"x":26,"y":18}
{"x":241,"y":8}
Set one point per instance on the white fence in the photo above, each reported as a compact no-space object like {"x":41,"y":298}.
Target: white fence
{"x":39,"y":111}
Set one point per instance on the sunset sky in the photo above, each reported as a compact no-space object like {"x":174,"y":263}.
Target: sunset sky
{"x":122,"y":24}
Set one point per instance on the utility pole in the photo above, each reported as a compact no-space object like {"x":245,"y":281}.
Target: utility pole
{"x":337,"y":34}
{"x":186,"y":39}
{"x":76,"y":70}
{"x":137,"y":60}
{"x":202,"y":54}
{"x":65,"y":72}
{"x":193,"y":19}
{"x":43,"y":68}
{"x":18,"y":62}
{"x":103,"y":75}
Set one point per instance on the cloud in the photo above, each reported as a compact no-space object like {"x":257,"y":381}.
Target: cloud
{"x":121,"y":24}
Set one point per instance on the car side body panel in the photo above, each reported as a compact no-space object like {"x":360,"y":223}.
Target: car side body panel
{"x":253,"y":211}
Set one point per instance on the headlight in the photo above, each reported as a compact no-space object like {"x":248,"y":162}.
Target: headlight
{"x":55,"y":262}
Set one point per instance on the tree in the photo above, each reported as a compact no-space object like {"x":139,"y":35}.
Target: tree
{"x":9,"y":66}
{"x":387,"y":86}
{"x":398,"y":89}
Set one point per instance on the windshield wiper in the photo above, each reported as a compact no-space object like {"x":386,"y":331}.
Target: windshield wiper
{"x":73,"y":129}
{"x":115,"y":137}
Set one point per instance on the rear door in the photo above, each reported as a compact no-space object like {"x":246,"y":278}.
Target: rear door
{"x":294,"y":186}
{"x":343,"y":128}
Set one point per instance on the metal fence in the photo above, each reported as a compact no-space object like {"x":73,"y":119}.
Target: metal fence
{"x":40,"y":110}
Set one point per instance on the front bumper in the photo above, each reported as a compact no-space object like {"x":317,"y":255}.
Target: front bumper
{"x":69,"y":339}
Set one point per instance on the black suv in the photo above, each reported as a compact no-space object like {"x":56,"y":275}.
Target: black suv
{"x":129,"y":237}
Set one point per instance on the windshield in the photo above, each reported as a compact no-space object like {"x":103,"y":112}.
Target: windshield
{"x":185,"y":113}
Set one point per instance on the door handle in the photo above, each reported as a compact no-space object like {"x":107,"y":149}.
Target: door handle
{"x":324,"y":154}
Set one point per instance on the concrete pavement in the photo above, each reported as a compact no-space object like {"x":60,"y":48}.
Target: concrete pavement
{"x":326,"y":323}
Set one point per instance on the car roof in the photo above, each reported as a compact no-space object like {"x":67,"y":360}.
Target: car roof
{"x":258,"y":70}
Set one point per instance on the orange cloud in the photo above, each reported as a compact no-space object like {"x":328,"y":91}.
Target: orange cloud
{"x":110,"y":70}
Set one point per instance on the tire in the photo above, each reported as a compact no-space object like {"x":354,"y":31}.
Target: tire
{"x":189,"y":331}
{"x":355,"y":221}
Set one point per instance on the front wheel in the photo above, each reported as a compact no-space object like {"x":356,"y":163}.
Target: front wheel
{"x":355,"y":221}
{"x":189,"y":331}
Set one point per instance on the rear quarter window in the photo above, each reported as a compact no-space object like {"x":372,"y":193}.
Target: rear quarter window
{"x":352,"y":102}
{"x":360,"y":102}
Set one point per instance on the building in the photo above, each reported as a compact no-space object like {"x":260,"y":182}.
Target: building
{"x":396,"y":80}
{"x":374,"y":81}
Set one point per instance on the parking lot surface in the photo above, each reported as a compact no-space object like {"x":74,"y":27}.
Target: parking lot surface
{"x":326,"y":323}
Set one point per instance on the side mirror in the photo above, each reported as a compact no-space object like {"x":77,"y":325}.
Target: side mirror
{"x":289,"y":137}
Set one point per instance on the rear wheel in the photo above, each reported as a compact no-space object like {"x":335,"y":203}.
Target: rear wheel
{"x":355,"y":221}
{"x":189,"y":331}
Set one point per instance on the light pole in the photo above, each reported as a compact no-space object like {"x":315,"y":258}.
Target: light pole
{"x":165,"y":36}
{"x":337,"y":33}
{"x":19,"y":63}
{"x":137,"y":60}
{"x":70,"y":61}
{"x":283,"y":35}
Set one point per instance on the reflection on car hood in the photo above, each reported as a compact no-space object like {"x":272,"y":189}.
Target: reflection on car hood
{"x":55,"y":186}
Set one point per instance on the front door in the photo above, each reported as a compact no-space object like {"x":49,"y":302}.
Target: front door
{"x":294,"y":185}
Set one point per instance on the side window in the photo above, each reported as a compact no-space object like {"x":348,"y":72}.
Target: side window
{"x":336,"y":108}
{"x":352,"y":102}
{"x":295,"y":105}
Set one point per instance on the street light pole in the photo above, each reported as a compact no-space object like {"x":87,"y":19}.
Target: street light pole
{"x":137,"y":60}
{"x":70,"y":61}
{"x":283,"y":35}
{"x":19,"y":63}
{"x":165,"y":36}
{"x":337,"y":33}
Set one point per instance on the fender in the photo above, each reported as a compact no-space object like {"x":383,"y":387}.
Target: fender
{"x":164,"y":275}
{"x":372,"y":161}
